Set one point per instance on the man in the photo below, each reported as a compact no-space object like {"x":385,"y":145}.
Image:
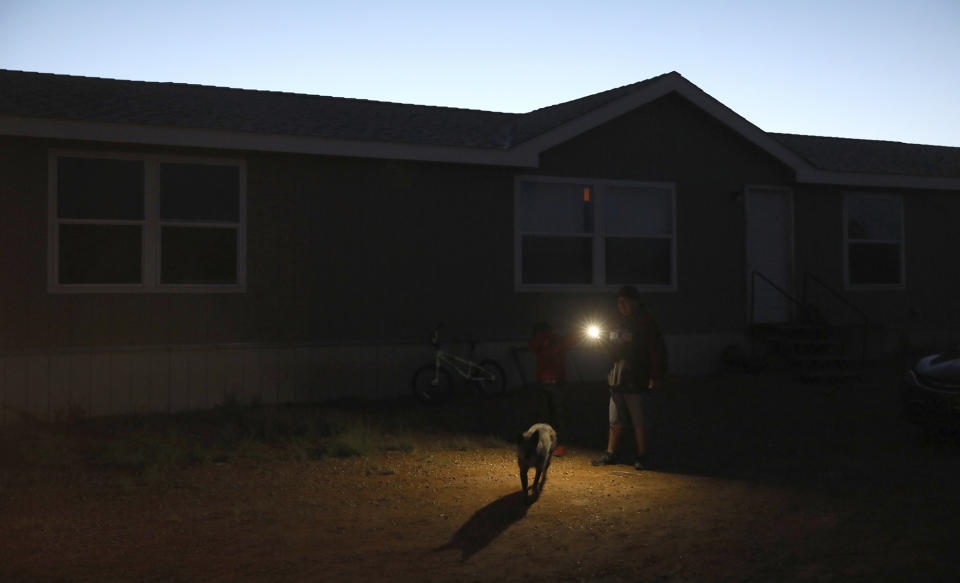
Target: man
{"x":639,"y":362}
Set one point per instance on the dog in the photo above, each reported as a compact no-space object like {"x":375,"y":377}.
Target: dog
{"x":534,"y":450}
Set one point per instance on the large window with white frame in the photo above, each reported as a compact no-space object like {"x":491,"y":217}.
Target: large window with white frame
{"x":583,"y":233}
{"x":126,"y":222}
{"x":873,"y":241}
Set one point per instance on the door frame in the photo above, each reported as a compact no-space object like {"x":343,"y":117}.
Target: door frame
{"x":790,"y":240}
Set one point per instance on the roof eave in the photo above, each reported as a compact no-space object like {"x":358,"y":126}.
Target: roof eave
{"x":526,"y":155}
{"x":234,"y":140}
{"x":816,"y":176}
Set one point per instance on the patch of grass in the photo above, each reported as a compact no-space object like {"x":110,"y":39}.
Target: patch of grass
{"x":466,"y":442}
{"x":52,"y":450}
{"x":304,"y":450}
{"x":273,"y":424}
{"x":357,"y":439}
{"x":252,"y":450}
{"x":403,"y":443}
{"x":148,"y":450}
{"x":494,"y":442}
{"x":154,"y":444}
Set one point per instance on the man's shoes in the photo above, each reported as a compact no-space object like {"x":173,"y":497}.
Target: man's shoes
{"x":605,"y":460}
{"x":640,"y":463}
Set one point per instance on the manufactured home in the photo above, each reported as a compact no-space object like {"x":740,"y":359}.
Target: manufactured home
{"x":167,"y":246}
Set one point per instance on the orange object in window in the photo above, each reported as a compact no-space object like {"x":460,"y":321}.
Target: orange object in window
{"x":586,"y":194}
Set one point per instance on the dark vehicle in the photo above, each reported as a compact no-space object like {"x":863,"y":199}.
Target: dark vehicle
{"x":930,"y":391}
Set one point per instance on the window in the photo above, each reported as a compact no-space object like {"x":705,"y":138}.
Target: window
{"x":574,"y":233}
{"x":873,"y":234}
{"x":145,"y":223}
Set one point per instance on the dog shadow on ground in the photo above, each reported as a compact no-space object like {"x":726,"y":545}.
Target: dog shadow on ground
{"x":486,"y":525}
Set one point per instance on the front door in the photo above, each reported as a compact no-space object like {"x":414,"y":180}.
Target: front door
{"x":769,"y":214}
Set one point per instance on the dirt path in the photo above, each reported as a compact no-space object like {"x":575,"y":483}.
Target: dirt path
{"x":788,"y":511}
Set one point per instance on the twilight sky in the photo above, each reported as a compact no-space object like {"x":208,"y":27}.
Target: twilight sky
{"x":878,"y":69}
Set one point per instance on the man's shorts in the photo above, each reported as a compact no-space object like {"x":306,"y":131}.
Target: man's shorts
{"x":625,"y":407}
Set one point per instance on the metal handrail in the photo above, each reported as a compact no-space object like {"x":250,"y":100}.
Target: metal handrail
{"x":807,"y":276}
{"x":753,"y":287}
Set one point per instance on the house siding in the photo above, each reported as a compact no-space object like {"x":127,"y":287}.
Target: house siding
{"x":350,"y":263}
{"x":339,"y":251}
{"x":670,"y":140}
{"x":925,"y":313}
{"x":932,"y":242}
{"x":380,"y":251}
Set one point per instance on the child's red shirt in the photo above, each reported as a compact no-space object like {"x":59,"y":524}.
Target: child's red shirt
{"x":551,"y":350}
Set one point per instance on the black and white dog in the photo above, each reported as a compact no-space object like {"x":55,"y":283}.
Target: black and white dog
{"x":534,"y":449}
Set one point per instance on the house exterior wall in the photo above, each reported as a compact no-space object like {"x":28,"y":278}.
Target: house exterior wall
{"x":374,"y":251}
{"x":339,"y":251}
{"x":922,"y":316}
{"x":670,"y":140}
{"x":385,"y":249}
{"x":351,"y":262}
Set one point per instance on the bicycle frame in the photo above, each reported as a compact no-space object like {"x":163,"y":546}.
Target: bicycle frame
{"x":435,"y":381}
{"x":467,"y":369}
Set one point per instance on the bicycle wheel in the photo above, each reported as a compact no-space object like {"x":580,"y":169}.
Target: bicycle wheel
{"x":431,"y":385}
{"x":495,"y":386}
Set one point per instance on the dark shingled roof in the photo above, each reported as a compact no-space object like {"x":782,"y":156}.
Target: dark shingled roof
{"x":198,"y":106}
{"x":182,"y":105}
{"x":874,"y":156}
{"x":179,"y":105}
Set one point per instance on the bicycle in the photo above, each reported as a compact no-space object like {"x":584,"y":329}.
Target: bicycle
{"x":432,"y":383}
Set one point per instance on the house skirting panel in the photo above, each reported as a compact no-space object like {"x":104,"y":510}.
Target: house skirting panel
{"x":65,"y":384}
{"x":62,"y":384}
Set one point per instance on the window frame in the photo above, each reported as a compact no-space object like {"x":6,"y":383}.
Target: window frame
{"x":847,"y":240}
{"x":598,"y":255}
{"x":151,"y":243}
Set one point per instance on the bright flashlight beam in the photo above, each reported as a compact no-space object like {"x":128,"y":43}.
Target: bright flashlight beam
{"x":593,"y":331}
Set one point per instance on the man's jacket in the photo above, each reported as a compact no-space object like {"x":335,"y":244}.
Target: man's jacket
{"x":639,"y":347}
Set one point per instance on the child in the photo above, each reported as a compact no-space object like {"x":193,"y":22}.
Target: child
{"x":551,"y":349}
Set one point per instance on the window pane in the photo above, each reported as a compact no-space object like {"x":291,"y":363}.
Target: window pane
{"x":638,"y":260}
{"x":632,"y":211}
{"x":97,"y":188}
{"x":547,"y":207}
{"x":196,"y":192}
{"x":99,"y":254}
{"x":198,"y":255}
{"x":562,"y":260}
{"x":874,"y":263}
{"x":873,"y":217}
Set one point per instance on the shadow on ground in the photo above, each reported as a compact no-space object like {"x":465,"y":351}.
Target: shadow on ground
{"x":486,"y":525}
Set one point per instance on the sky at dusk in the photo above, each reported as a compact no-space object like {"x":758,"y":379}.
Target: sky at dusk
{"x":876,"y":69}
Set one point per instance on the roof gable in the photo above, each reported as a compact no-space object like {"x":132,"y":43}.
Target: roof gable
{"x":630,"y":97}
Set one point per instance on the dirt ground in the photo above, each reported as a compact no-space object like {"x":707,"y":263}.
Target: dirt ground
{"x":754,"y":478}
